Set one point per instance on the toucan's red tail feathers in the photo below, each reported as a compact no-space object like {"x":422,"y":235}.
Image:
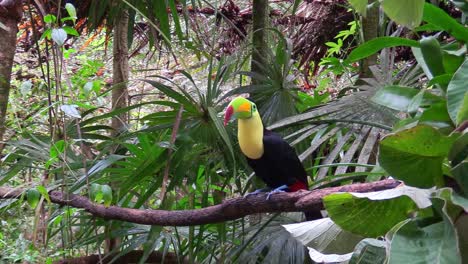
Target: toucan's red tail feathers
{"x":298,"y":185}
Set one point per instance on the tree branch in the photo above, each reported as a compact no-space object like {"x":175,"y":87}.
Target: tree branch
{"x":229,"y":210}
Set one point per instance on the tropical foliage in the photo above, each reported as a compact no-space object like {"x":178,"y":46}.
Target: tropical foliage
{"x":187,"y":59}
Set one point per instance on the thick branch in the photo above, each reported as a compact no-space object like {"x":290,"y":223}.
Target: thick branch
{"x":229,"y":210}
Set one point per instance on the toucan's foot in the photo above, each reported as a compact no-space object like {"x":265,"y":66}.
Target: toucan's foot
{"x":257,"y":191}
{"x":280,"y":189}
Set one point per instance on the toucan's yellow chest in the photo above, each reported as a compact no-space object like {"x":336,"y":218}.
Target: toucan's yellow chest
{"x":250,"y":135}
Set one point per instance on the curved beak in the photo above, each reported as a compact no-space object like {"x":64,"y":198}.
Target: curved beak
{"x":228,"y":114}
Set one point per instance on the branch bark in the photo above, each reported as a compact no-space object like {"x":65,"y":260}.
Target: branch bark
{"x":229,"y":210}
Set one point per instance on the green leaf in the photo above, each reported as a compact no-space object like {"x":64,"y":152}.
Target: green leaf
{"x":442,"y":80}
{"x":221,"y":130}
{"x":57,"y":148}
{"x":415,"y":155}
{"x":395,"y":97}
{"x":33,"y":196}
{"x":377,"y":212}
{"x":372,"y":46}
{"x":406,"y":13}
{"x":50,"y":19}
{"x":160,"y":10}
{"x":360,"y":6}
{"x":452,"y":62}
{"x":459,"y":151}
{"x":435,"y":243}
{"x":71,"y":31}
{"x":326,"y":241}
{"x":431,"y":242}
{"x":369,"y":251}
{"x":421,"y":62}
{"x":434,"y":15}
{"x":400,"y":97}
{"x":106,"y":194}
{"x":71,"y":11}
{"x":436,"y":115}
{"x":415,"y":103}
{"x":462,"y":231}
{"x":43,"y":191}
{"x":432,"y":54}
{"x":172,"y":93}
{"x":175,"y":18}
{"x":94,"y":192}
{"x":457,"y":95}
{"x":59,"y":36}
{"x":460,"y":173}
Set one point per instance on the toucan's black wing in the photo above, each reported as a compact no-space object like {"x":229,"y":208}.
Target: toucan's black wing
{"x":283,"y":158}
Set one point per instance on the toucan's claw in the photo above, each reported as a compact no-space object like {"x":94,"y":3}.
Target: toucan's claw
{"x":280,"y":189}
{"x":257,"y":192}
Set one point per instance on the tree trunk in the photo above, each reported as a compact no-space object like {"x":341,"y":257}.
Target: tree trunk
{"x":370,"y":27}
{"x":260,"y":15}
{"x":119,"y":93}
{"x":10,"y":15}
{"x":120,"y":72}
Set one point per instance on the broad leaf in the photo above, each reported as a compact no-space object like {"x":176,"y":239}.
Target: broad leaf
{"x":457,"y":95}
{"x":160,"y":11}
{"x":415,"y":155}
{"x":372,"y":46}
{"x":436,"y":115}
{"x":432,"y":54}
{"x":377,"y":212}
{"x":369,"y":251}
{"x":435,"y":243}
{"x":400,"y":97}
{"x":407,"y":13}
{"x":434,"y":15}
{"x":326,"y":241}
{"x":33,"y":196}
{"x":71,"y":11}
{"x":459,"y":151}
{"x":460,"y":173}
{"x":431,"y":243}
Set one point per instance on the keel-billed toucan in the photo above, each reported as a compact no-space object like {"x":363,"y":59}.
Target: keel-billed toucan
{"x":269,"y":155}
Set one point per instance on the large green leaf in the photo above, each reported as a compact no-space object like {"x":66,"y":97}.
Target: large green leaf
{"x":372,"y":46}
{"x":407,"y":13}
{"x":377,"y":212}
{"x":400,"y":97}
{"x":326,"y":241}
{"x":436,"y":115}
{"x":434,"y":15}
{"x":432,"y":54}
{"x":462,"y":230}
{"x":457,"y":95}
{"x":460,"y":173}
{"x":435,"y":243}
{"x":430,"y":242}
{"x":369,"y":251}
{"x":415,"y":155}
{"x":395,"y":97}
{"x":459,"y":151}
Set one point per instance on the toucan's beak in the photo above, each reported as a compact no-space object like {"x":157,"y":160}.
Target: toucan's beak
{"x":228,"y":114}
